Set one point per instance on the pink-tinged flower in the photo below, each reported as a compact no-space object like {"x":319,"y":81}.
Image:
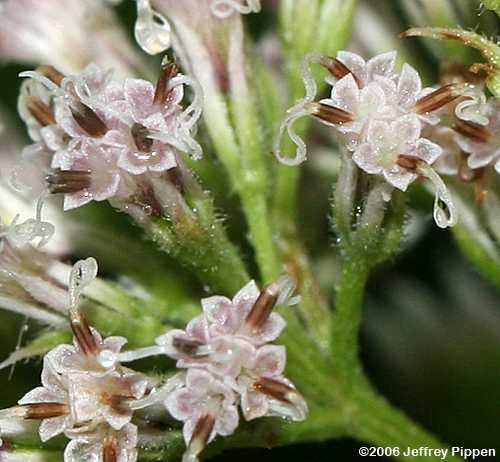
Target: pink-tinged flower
{"x":397,"y":152}
{"x":207,"y":407}
{"x":68,"y":33}
{"x":225,"y":8}
{"x":386,"y":142}
{"x":362,"y":93}
{"x":265,"y":391}
{"x":85,"y":392}
{"x":103,"y":444}
{"x":50,"y":403}
{"x":482,"y":143}
{"x":363,"y":71}
{"x":95,"y":135}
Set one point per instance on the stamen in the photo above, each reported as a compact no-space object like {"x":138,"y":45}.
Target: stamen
{"x":472,"y":130}
{"x":40,"y":111}
{"x":337,"y":68}
{"x":186,"y":346}
{"x":140,"y":134}
{"x":278,"y":292}
{"x":51,"y":73}
{"x":37,"y":411}
{"x":199,"y":440}
{"x":88,"y":120}
{"x":110,"y":449}
{"x":162,"y":92}
{"x":68,"y":181}
{"x":274,"y":389}
{"x":83,"y":335}
{"x":330,"y":114}
{"x":439,"y":98}
{"x":408,"y":162}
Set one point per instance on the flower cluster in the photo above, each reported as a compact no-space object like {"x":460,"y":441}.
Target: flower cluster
{"x":83,"y":395}
{"x":99,"y":139}
{"x":224,"y":355}
{"x":229,"y":362}
{"x":379,"y":116}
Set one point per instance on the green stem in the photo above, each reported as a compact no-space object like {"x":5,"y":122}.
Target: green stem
{"x":347,"y":317}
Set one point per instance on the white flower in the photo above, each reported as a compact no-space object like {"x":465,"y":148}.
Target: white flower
{"x":207,"y":407}
{"x":94,"y":134}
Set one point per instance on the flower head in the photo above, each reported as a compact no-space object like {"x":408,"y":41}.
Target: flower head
{"x":83,"y":394}
{"x":101,"y":139}
{"x":378,"y":115}
{"x":207,"y":407}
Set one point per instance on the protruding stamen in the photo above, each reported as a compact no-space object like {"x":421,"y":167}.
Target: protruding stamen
{"x":337,"y":68}
{"x":438,"y":98}
{"x":162,"y":92}
{"x":88,"y":120}
{"x":472,"y":130}
{"x":199,"y":440}
{"x":40,"y":111}
{"x":51,"y":73}
{"x":186,"y":346}
{"x":330,"y":114}
{"x":274,"y":389}
{"x":68,"y":181}
{"x":140,"y":134}
{"x":110,"y":449}
{"x":38,"y":411}
{"x":83,"y":335}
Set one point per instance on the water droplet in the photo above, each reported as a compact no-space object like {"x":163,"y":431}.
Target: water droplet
{"x":152,"y":31}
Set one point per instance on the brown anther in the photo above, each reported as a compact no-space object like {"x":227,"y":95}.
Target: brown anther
{"x":39,"y":110}
{"x":476,"y":132}
{"x":83,"y":336}
{"x":110,"y":449}
{"x":202,"y":430}
{"x":68,"y":181}
{"x":162,"y":92}
{"x":408,"y":162}
{"x":438,"y":98}
{"x":88,"y":120}
{"x":186,"y":346}
{"x":274,"y":389}
{"x":140,"y":134}
{"x":330,"y":114}
{"x":337,"y":68}
{"x":45,"y":410}
{"x":263,"y":306}
{"x":51,"y":73}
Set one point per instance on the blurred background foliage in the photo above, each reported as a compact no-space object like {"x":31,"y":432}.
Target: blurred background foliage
{"x":431,"y":326}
